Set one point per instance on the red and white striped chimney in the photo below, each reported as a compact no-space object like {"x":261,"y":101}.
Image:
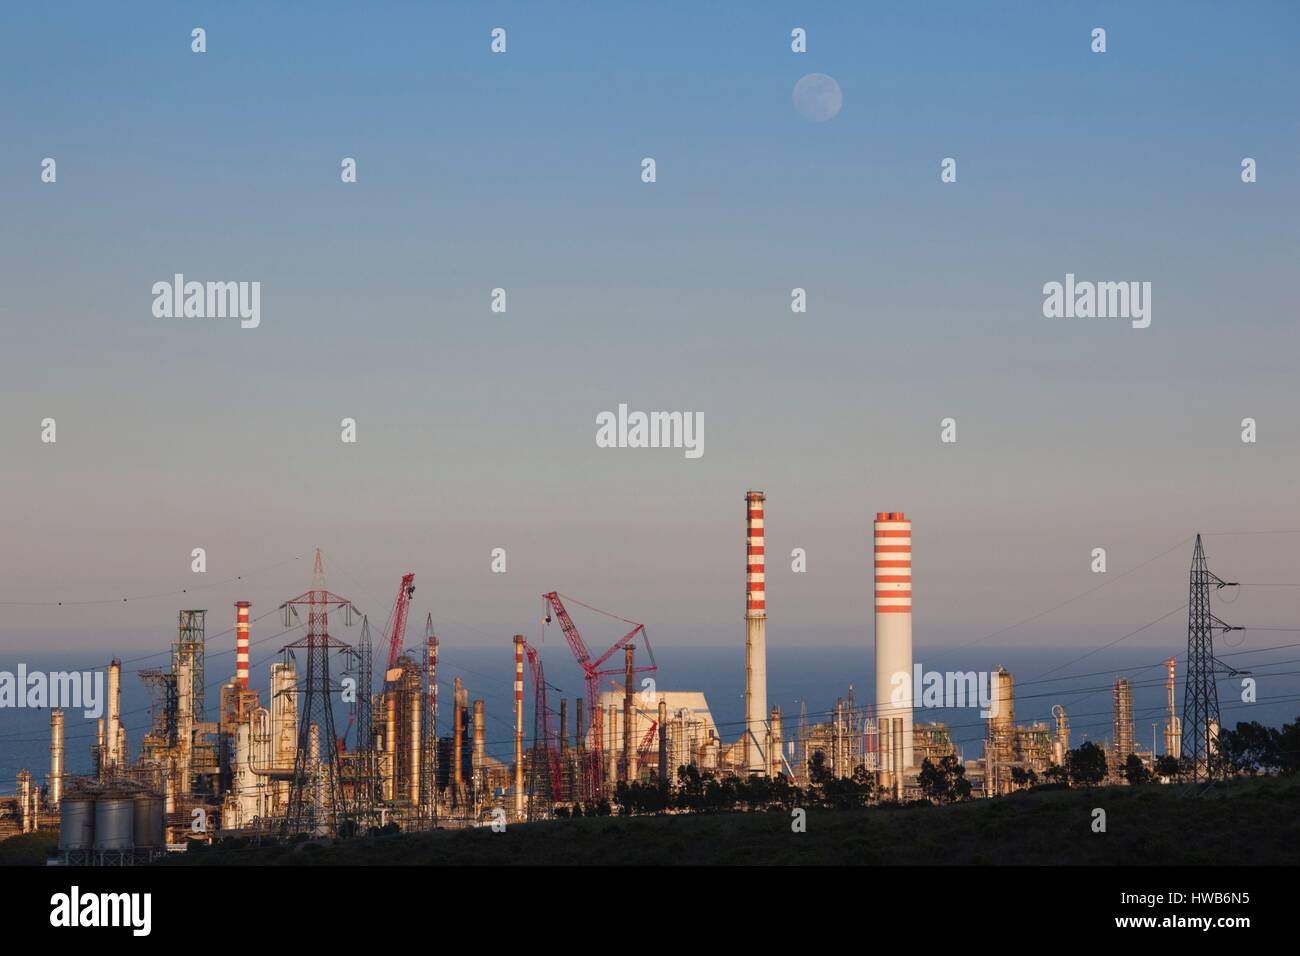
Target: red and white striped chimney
{"x":756,"y":715}
{"x":893,"y":558}
{"x":519,"y":725}
{"x":241,"y":643}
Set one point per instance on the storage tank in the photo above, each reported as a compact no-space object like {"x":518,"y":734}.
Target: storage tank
{"x":147,"y":821}
{"x":114,"y":823}
{"x":76,"y":822}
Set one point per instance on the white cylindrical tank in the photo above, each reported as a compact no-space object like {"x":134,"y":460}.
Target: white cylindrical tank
{"x":147,"y":822}
{"x":388,"y":783}
{"x":113,"y":733}
{"x":893,"y":591}
{"x":56,"y":757}
{"x":77,"y":822}
{"x":25,"y":801}
{"x":284,"y":713}
{"x":414,"y":742}
{"x":478,"y":756}
{"x":900,"y":762}
{"x":246,"y":785}
{"x":114,"y":823}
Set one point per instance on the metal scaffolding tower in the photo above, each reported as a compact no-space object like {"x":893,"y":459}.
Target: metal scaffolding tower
{"x":163,"y":701}
{"x":189,"y":646}
{"x":1201,"y":697}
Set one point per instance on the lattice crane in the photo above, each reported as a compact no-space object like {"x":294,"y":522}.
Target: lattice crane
{"x":592,"y":674}
{"x":403,"y":604}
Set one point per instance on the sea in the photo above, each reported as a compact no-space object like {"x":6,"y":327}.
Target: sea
{"x":808,"y":677}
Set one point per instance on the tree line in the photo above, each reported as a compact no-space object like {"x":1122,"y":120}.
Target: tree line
{"x":1251,"y":749}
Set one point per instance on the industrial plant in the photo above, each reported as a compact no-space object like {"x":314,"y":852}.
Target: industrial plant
{"x":272,"y":763}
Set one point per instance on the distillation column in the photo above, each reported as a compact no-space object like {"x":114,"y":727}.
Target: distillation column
{"x":113,"y":733}
{"x":56,"y":757}
{"x":629,"y":717}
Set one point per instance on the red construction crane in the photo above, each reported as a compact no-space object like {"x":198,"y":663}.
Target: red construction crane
{"x":548,"y":738}
{"x":647,"y":740}
{"x":404,"y":593}
{"x":592,"y":674}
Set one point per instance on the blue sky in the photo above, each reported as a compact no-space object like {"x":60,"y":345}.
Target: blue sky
{"x":522,"y":171}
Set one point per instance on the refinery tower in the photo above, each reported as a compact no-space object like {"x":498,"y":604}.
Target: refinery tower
{"x":893,"y":557}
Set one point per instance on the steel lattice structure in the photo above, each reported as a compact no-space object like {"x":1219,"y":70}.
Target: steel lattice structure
{"x":316,"y":809}
{"x":1201,"y":696}
{"x":543,"y":763}
{"x":592,"y":673}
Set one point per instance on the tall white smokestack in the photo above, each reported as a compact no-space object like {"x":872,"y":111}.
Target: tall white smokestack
{"x":25,"y":801}
{"x":755,"y":635}
{"x":893,"y":557}
{"x":241,"y":643}
{"x":56,"y":757}
{"x":112,"y":734}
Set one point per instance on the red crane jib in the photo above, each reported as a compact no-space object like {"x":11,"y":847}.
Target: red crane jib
{"x":592,"y":673}
{"x":404,"y":593}
{"x":647,"y":740}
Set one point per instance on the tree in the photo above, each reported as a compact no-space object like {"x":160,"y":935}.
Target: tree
{"x":1022,"y":777}
{"x":1250,"y":749}
{"x":825,"y":789}
{"x":1288,"y":748}
{"x":1057,"y":774}
{"x":1135,"y":771}
{"x":1169,"y":767}
{"x":1087,"y":765}
{"x":944,"y":782}
{"x":818,"y":772}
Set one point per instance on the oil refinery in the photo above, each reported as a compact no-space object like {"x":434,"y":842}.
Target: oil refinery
{"x":272,"y":763}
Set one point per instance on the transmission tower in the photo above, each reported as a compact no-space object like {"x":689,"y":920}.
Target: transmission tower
{"x":428,"y":809}
{"x":364,"y":763}
{"x":543,"y":762}
{"x":1201,"y":697}
{"x":365,"y":687}
{"x":316,"y":800}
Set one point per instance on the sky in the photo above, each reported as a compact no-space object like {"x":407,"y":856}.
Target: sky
{"x":476,"y":430}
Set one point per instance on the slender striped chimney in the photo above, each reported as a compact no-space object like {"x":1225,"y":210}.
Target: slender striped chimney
{"x":755,"y":636}
{"x":893,"y":556}
{"x":241,"y":643}
{"x":519,"y":726}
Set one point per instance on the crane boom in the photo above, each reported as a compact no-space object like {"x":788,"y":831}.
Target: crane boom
{"x":647,"y":740}
{"x":404,"y":593}
{"x":591,"y":677}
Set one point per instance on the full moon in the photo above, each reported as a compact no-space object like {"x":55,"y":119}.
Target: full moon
{"x":818,"y":97}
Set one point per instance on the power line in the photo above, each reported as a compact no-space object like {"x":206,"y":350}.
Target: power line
{"x":148,"y":597}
